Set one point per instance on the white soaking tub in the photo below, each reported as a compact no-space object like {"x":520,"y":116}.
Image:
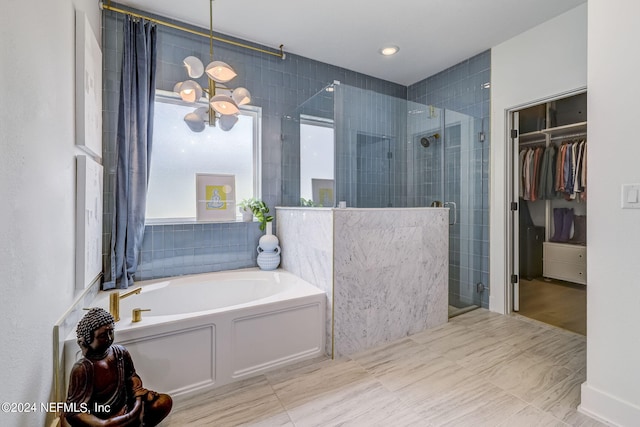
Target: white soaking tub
{"x":207,"y":330}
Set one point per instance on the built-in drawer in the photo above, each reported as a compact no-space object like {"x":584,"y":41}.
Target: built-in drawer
{"x":565,"y":271}
{"x":565,"y":262}
{"x":563,"y":252}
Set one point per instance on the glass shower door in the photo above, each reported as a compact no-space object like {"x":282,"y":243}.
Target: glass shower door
{"x":463,"y":180}
{"x":449,"y":166}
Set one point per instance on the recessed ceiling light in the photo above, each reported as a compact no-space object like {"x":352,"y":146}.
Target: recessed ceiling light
{"x":389,"y":50}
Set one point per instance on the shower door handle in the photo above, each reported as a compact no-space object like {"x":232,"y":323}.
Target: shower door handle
{"x":455,"y":212}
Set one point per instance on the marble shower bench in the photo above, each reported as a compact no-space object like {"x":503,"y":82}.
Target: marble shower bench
{"x":385,"y":270}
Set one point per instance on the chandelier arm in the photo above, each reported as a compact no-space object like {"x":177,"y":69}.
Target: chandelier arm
{"x":212,"y":93}
{"x":210,"y":30}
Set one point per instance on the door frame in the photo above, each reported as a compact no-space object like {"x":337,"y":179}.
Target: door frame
{"x":512,"y":266}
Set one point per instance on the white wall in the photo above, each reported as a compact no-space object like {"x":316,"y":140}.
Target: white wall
{"x":545,"y":61}
{"x":37,"y":190}
{"x":613,"y":300}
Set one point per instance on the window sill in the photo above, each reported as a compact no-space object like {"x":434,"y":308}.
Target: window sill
{"x":182,"y":221}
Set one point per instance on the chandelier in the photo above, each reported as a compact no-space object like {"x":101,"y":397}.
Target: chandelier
{"x":223,"y":102}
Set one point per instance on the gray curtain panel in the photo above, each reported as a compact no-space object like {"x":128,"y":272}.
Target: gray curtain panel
{"x":133,"y":141}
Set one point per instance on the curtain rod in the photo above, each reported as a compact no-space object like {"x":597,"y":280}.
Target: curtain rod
{"x":280,"y":54}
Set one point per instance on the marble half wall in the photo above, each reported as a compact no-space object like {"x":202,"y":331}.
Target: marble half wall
{"x":306,"y":240}
{"x":390,"y":274}
{"x":385,"y":270}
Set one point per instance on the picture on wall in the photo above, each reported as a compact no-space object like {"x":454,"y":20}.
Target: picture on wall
{"x":88,"y":88}
{"x":88,"y":221}
{"x":322,"y":190}
{"x":215,"y":197}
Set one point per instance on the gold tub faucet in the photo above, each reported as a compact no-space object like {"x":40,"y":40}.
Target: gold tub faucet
{"x":114,"y":301}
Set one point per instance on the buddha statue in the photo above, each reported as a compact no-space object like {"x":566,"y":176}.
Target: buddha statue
{"x":104,"y":389}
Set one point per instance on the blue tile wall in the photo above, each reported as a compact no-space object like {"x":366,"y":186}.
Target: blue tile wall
{"x":278,"y":86}
{"x":369,"y":128}
{"x":464,"y":88}
{"x":173,"y":250}
{"x":425,"y":163}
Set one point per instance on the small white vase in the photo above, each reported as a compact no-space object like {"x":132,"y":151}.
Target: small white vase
{"x":268,"y":260}
{"x":268,"y":250}
{"x":269,"y":241}
{"x":247,"y":216}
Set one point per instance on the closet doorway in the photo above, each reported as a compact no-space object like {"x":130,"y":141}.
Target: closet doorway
{"x":548,"y":268}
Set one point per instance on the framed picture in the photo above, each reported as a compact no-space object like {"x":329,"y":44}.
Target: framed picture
{"x":88,"y":221}
{"x":88,"y":88}
{"x":215,"y":197}
{"x":322,"y":190}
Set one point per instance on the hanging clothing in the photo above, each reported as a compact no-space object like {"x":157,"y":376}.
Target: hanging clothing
{"x":547,"y":173}
{"x":552,"y":172}
{"x":521,"y":157}
{"x":528,"y":174}
{"x":571,"y":170}
{"x":583,"y":175}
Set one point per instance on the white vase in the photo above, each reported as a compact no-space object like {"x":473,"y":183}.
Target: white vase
{"x":268,"y":260}
{"x":268,"y":250}
{"x":247,"y":216}
{"x":269,"y":241}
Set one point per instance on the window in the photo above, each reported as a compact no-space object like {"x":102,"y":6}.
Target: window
{"x":316,"y":157}
{"x":178,"y":154}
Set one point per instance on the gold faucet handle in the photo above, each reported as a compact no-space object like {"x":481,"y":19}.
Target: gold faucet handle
{"x":136,"y":314}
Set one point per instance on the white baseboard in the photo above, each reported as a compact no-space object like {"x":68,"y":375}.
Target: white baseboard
{"x":607,"y":408}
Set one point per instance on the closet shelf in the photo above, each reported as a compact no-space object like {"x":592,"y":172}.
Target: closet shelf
{"x":556,"y":132}
{"x":566,"y":130}
{"x":532,"y":136}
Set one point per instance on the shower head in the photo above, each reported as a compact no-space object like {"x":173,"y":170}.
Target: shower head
{"x":427,"y":140}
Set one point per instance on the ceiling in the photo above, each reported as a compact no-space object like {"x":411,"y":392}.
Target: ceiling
{"x":432,"y":34}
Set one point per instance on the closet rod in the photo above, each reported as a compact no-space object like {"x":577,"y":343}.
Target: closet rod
{"x":108,"y":6}
{"x":569,"y":136}
{"x":537,"y":141}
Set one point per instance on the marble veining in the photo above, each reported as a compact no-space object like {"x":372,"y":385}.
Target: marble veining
{"x":390,"y":274}
{"x":385,"y":271}
{"x":306,"y":240}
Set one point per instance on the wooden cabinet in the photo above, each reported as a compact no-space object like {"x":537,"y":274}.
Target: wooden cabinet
{"x":565,"y":262}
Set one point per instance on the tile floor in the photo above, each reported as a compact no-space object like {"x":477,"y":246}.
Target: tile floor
{"x":480,"y":369}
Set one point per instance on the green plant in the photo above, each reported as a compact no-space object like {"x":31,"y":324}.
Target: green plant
{"x":260,"y":211}
{"x":307,"y":202}
{"x":248,"y":204}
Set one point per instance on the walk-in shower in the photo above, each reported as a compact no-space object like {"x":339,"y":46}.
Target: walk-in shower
{"x":390,"y":152}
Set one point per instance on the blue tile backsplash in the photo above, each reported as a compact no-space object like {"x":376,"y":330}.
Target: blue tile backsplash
{"x":173,"y":250}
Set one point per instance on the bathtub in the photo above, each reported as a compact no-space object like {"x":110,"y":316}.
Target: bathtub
{"x":207,"y":330}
